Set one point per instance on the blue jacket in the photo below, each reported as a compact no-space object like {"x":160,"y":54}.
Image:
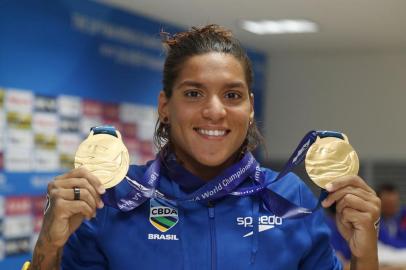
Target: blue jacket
{"x":336,"y":239}
{"x":233,"y":233}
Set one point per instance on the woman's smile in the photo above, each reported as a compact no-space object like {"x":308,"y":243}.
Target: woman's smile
{"x":212,"y":133}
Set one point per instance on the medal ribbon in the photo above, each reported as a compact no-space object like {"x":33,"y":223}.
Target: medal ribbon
{"x":227,"y":183}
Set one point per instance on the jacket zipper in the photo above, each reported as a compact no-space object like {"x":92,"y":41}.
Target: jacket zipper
{"x":212,"y":236}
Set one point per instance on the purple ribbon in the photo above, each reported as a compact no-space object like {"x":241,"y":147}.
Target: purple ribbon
{"x":227,"y":183}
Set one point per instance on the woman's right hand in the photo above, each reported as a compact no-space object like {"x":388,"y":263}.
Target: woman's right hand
{"x":65,"y":214}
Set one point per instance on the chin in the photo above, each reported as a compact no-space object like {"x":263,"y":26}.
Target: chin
{"x":211,"y":163}
{"x":215,"y":160}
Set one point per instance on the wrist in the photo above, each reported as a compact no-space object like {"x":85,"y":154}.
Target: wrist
{"x":46,"y":246}
{"x":47,"y":252}
{"x":368,"y":260}
{"x":365,"y":263}
{"x":46,"y":255}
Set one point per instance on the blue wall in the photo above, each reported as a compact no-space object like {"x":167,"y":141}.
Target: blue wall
{"x":85,"y":49}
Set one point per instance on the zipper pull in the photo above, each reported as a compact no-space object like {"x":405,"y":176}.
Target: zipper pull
{"x":211,"y":209}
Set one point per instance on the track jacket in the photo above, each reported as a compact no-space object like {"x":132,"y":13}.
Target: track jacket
{"x":234,"y":233}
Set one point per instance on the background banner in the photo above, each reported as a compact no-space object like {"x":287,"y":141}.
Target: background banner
{"x":67,"y":65}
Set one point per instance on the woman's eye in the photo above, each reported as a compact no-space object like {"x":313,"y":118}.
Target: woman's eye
{"x":192,"y":93}
{"x":233,"y":95}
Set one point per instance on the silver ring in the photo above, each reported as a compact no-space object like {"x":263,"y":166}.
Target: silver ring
{"x":47,"y":204}
{"x":76,"y":193}
{"x":377,"y":224}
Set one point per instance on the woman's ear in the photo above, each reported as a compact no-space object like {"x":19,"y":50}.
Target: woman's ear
{"x":162,"y":107}
{"x":252,"y":107}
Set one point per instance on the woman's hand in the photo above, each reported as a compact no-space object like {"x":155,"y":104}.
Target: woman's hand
{"x":357,"y":211}
{"x":65,"y":214}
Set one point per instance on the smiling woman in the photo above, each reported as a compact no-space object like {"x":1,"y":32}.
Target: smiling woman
{"x":207,"y":101}
{"x":209,"y":113}
{"x":203,"y":202}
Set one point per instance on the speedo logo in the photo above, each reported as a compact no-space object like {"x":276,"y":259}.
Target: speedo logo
{"x":264,"y":223}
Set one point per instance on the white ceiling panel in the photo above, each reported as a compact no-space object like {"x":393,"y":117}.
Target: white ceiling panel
{"x":373,"y":25}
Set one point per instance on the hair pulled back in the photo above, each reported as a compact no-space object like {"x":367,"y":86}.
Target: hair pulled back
{"x":197,"y":41}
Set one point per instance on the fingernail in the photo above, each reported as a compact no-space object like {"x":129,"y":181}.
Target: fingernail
{"x":101,"y":190}
{"x":100,"y":204}
{"x":329,"y":187}
{"x":324,"y":203}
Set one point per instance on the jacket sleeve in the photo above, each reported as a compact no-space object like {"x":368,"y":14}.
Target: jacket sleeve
{"x":82,"y":250}
{"x":320,"y":255}
{"x":337,"y":241}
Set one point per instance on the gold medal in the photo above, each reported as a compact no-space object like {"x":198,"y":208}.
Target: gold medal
{"x":105,"y":156}
{"x":329,"y":158}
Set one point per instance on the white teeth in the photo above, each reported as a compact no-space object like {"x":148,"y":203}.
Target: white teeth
{"x":212,"y":132}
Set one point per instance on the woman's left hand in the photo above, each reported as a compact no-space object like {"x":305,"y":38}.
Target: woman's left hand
{"x":357,"y":210}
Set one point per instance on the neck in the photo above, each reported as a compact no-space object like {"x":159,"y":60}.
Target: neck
{"x":205,"y":172}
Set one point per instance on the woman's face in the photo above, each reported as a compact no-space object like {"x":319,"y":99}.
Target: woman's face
{"x":209,"y":112}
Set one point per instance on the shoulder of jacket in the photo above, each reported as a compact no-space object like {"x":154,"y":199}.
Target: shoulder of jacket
{"x":289,"y":179}
{"x":135,"y":171}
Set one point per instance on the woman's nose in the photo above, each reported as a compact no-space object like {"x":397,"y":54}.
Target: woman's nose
{"x":214,"y":109}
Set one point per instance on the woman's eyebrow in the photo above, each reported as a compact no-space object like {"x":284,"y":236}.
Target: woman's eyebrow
{"x":235,"y":85}
{"x":191,"y":83}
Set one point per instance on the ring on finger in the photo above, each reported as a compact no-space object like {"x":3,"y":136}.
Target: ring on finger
{"x":76,"y":193}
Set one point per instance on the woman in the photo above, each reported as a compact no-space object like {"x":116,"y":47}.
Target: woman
{"x":206,"y":127}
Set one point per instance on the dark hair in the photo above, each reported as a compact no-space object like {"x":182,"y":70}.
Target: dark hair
{"x":180,"y":47}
